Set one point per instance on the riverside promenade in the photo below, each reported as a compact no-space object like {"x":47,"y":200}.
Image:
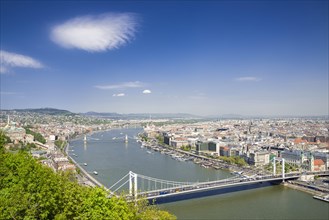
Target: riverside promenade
{"x":83,"y":171}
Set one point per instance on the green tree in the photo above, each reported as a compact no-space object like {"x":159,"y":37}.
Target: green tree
{"x":29,"y":190}
{"x":3,"y":140}
{"x":185,"y":148}
{"x":37,"y":136}
{"x":60,"y":144}
{"x":160,"y":139}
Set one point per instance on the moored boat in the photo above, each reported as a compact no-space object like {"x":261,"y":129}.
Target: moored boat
{"x":322,"y":198}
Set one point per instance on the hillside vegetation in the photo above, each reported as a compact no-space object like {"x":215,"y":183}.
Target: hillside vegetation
{"x":29,"y":190}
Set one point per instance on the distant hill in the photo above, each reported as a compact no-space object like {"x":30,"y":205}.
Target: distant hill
{"x":141,"y":115}
{"x":46,"y":111}
{"x":237,"y":116}
{"x":102,"y":114}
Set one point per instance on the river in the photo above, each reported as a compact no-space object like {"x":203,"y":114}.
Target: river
{"x":108,"y":154}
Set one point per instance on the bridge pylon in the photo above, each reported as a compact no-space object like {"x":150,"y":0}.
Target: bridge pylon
{"x":274,"y":166}
{"x":283,"y":167}
{"x":133,"y":184}
{"x":283,"y":170}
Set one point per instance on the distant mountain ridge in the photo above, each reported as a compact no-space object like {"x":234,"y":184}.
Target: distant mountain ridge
{"x":45,"y":111}
{"x":117,"y":116}
{"x":109,"y":115}
{"x":141,"y":115}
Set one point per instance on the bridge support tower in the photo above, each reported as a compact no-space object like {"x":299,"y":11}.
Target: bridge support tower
{"x":283,"y":167}
{"x":133,"y":184}
{"x":283,"y":170}
{"x":274,"y":166}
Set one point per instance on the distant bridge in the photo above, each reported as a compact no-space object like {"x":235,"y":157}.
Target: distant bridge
{"x":121,"y":138}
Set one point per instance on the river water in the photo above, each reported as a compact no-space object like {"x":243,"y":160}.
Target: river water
{"x":108,"y":154}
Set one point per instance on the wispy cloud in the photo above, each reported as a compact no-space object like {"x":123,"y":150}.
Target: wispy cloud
{"x":124,"y":85}
{"x":147,"y":91}
{"x":3,"y":69}
{"x":9,"y":60}
{"x":96,"y":33}
{"x":198,"y":96}
{"x":248,"y":79}
{"x":7,"y":93}
{"x":119,"y":95}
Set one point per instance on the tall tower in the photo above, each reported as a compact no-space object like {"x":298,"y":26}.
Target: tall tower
{"x":8,"y":122}
{"x":312,"y":163}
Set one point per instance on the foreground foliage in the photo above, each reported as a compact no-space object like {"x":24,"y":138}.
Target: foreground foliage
{"x":29,"y":190}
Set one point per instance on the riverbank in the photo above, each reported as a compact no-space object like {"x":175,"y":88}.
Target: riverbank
{"x":201,"y":160}
{"x":315,"y":193}
{"x":86,"y":178}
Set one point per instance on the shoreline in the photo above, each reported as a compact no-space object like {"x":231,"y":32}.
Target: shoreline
{"x":94,"y":182}
{"x":304,"y":189}
{"x":204,"y":161}
{"x":84,"y":174}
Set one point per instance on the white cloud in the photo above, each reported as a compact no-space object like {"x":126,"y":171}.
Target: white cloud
{"x":124,"y":85}
{"x":248,"y":79}
{"x":119,"y":95}
{"x":9,"y":60}
{"x":146,"y":91}
{"x":3,"y":69}
{"x":96,"y":33}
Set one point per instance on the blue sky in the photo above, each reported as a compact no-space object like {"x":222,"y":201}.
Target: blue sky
{"x":205,"y":58}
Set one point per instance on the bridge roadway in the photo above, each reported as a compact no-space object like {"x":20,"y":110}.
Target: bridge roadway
{"x":220,"y":184}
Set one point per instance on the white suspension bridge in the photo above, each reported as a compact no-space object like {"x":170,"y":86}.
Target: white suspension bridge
{"x":141,"y":186}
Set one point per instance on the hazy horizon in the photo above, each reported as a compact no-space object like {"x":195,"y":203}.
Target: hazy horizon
{"x":175,"y":113}
{"x":202,"y":58}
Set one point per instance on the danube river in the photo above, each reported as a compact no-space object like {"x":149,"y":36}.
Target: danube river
{"x":108,"y":154}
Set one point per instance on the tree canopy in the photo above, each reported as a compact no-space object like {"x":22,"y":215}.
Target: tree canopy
{"x":37,"y":136}
{"x":30,"y":190}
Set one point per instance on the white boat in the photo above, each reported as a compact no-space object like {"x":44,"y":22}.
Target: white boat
{"x":95,"y":172}
{"x":85,"y":164}
{"x":322,"y":198}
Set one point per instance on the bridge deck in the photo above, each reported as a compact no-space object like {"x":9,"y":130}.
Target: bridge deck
{"x":218,"y":184}
{"x":210,"y":188}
